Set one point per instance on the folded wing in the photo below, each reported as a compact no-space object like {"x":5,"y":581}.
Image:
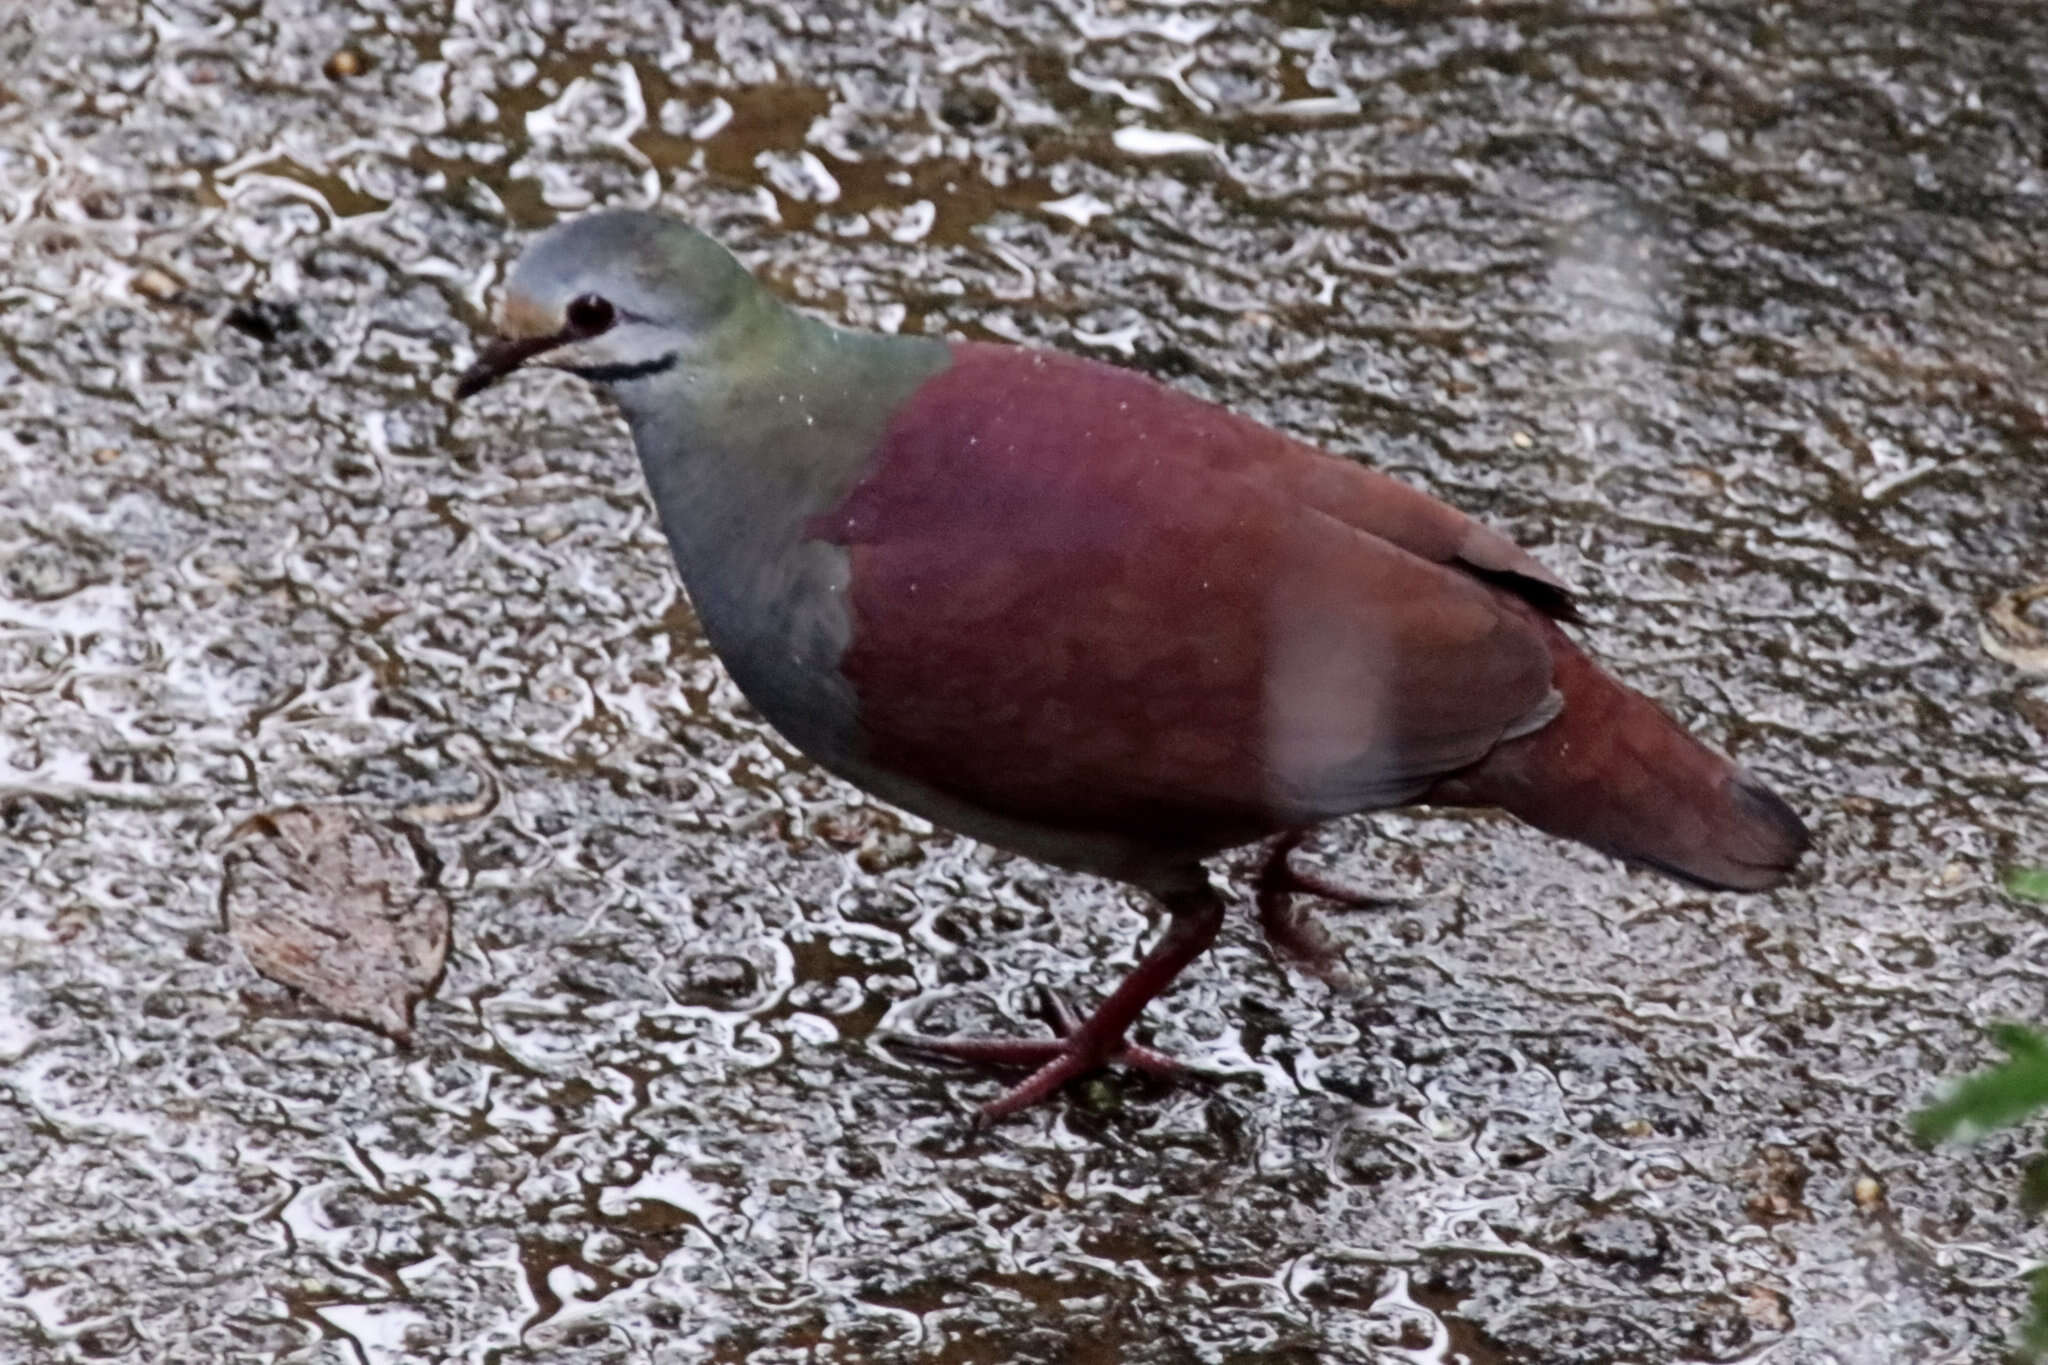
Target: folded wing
{"x":1205,"y":628}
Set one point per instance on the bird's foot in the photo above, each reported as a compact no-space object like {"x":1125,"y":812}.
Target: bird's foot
{"x":1085,"y":1045}
{"x":1056,"y":1061}
{"x":1291,"y":930}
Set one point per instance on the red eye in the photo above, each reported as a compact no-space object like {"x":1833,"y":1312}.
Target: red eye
{"x":589,"y":314}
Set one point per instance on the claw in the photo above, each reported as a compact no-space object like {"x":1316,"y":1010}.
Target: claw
{"x":1290,"y":930}
{"x":1086,"y":1045}
{"x":1055,"y":1061}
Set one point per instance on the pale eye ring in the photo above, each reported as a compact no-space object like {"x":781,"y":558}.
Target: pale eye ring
{"x":589,"y":314}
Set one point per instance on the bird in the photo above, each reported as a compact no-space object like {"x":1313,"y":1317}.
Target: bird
{"x":1062,"y":608}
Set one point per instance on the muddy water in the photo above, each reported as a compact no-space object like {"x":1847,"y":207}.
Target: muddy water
{"x":1734,"y":318}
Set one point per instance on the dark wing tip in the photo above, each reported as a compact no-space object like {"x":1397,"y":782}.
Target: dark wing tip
{"x":1552,"y":599}
{"x":1783,"y":836}
{"x":1755,"y":852}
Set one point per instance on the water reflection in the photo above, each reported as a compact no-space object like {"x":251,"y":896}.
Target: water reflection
{"x":1730,"y":319}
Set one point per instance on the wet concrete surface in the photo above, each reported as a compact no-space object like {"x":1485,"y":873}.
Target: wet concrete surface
{"x":1733,"y":314}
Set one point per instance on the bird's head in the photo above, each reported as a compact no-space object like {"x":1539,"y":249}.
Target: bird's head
{"x":613,"y":297}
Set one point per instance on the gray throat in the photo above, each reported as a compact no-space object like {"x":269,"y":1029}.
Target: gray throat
{"x":761,"y":426}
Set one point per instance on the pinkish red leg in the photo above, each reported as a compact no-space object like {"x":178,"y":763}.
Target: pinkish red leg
{"x":1089,"y":1044}
{"x":1289,"y":929}
{"x":1068,"y":1023}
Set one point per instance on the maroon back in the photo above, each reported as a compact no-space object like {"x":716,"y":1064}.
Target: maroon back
{"x":1084,"y":599}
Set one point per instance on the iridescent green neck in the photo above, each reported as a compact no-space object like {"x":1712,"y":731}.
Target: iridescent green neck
{"x":768,"y":418}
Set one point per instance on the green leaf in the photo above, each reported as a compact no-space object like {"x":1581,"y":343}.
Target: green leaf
{"x":2028,"y":883}
{"x":2034,"y":1329}
{"x":2034,"y":1185}
{"x":1996,"y":1098}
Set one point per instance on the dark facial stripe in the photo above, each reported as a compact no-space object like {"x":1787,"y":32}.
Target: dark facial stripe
{"x":613,"y":374}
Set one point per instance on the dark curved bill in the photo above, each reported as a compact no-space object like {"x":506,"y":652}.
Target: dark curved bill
{"x":499,"y":358}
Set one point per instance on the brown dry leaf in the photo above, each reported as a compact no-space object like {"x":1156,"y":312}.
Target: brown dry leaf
{"x":2007,"y":634}
{"x":333,"y":904}
{"x":1777,"y":1180}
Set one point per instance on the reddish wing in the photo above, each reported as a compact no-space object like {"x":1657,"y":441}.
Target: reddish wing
{"x":1069,"y":579}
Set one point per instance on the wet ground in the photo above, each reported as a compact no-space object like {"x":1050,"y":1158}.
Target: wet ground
{"x":1732,"y":314}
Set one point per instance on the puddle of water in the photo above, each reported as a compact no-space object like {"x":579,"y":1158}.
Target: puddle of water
{"x":1733,"y":321}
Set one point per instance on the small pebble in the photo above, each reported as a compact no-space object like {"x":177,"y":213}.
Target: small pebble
{"x":1522,"y":440}
{"x":156,"y":284}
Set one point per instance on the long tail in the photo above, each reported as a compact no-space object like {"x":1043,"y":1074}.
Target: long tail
{"x":1615,"y":772}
